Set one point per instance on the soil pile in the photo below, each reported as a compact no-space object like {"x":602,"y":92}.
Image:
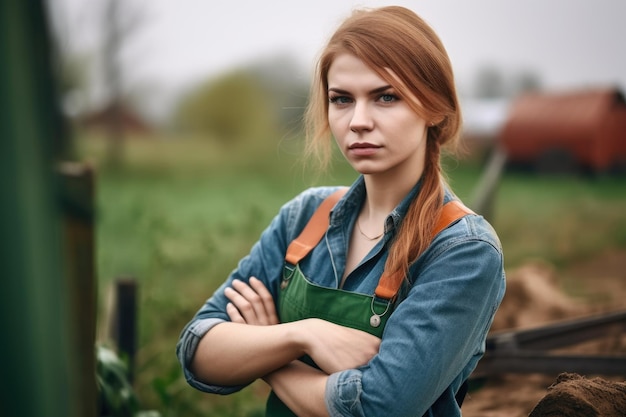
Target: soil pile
{"x":535,"y":297}
{"x":575,"y":396}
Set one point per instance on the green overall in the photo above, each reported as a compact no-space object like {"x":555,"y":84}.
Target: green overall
{"x":301,"y":299}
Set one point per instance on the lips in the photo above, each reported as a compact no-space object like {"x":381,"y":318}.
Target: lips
{"x":363,"y":149}
{"x":363,"y":145}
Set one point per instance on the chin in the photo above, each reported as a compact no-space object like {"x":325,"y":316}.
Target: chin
{"x":366,"y":170}
{"x":366,"y":167}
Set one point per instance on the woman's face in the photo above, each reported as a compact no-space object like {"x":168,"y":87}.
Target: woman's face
{"x":377,"y":132}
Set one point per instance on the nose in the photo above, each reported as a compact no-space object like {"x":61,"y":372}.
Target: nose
{"x":361,"y":118}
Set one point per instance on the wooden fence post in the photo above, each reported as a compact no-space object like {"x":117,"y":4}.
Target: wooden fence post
{"x":123,"y":321}
{"x":78,"y":194}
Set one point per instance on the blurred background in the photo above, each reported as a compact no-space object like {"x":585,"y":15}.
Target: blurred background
{"x":154,"y":54}
{"x":176,"y":130}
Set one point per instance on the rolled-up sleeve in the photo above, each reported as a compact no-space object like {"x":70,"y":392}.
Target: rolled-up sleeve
{"x":186,"y":349}
{"x":343,"y":393}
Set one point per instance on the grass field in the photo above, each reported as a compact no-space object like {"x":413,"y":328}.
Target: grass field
{"x":178,"y":214}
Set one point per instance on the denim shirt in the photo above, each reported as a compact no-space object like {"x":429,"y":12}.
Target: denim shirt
{"x":434,"y":337}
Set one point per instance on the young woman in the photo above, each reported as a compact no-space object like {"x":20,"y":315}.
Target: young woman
{"x":386,"y":311}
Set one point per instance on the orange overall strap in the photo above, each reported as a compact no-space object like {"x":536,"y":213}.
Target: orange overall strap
{"x":299,"y":248}
{"x":389,"y":284}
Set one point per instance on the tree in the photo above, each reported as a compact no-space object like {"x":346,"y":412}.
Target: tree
{"x":90,"y":39}
{"x":490,"y":82}
{"x":526,"y":81}
{"x":118,"y":25}
{"x":231,"y":109}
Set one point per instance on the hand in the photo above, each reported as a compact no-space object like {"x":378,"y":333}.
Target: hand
{"x":250,"y":303}
{"x":336,"y":348}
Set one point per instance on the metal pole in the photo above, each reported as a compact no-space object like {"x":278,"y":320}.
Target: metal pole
{"x":484,"y":196}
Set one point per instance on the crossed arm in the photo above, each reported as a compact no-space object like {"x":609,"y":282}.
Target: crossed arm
{"x":255,"y":345}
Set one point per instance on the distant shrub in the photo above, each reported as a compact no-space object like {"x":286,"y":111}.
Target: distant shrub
{"x":232,"y":109}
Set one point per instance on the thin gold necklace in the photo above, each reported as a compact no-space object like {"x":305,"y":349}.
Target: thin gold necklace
{"x":358,"y":225}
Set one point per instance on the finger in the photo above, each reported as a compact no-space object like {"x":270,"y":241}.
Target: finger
{"x":245,"y":308}
{"x":254,"y":299}
{"x":266,"y":298}
{"x":234,"y":315}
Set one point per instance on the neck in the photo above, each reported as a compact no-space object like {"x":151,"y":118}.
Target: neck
{"x":384,"y":195}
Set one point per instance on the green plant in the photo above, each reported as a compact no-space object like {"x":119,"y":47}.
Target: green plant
{"x":116,"y":397}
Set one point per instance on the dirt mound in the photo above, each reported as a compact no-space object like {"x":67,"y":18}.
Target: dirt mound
{"x":533,"y":297}
{"x":575,"y":396}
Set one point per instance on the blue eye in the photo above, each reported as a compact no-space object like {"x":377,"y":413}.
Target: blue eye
{"x":388,"y":98}
{"x":339,"y":99}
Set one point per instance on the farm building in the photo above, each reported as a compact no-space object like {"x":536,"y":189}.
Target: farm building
{"x":128,"y":120}
{"x":563,"y":132}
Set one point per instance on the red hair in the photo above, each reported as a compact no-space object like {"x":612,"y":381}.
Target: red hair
{"x":404,"y":51}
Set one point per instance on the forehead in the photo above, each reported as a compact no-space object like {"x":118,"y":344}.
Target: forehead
{"x":348,"y":71}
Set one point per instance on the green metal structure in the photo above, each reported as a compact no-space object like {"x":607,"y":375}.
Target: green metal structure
{"x":47,"y":358}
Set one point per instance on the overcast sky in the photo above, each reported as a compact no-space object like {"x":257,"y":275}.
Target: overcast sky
{"x":568,"y":43}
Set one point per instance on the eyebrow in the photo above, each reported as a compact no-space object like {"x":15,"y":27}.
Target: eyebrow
{"x":372,"y":92}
